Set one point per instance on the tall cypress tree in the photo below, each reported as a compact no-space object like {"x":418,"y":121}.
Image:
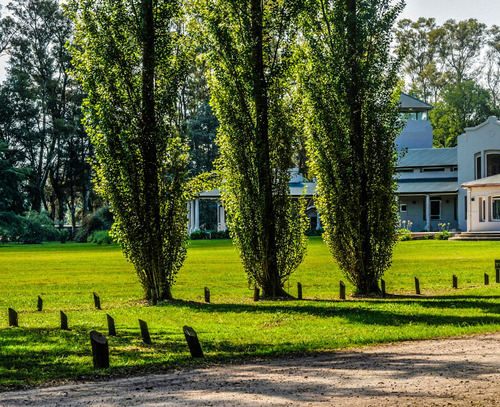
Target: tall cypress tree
{"x":351,"y":84}
{"x":249,"y":52}
{"x":130,"y":59}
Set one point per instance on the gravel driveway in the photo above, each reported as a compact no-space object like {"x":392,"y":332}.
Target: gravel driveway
{"x":445,"y":372}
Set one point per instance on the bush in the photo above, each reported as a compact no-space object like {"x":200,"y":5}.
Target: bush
{"x":220,"y":234}
{"x":11,"y":227}
{"x":199,"y":235}
{"x":314,"y":232}
{"x":404,"y":235}
{"x":100,"y":237}
{"x":32,"y":228}
{"x":444,"y":234}
{"x":101,"y":219}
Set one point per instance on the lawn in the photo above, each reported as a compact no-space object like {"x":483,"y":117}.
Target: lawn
{"x":232,"y":326}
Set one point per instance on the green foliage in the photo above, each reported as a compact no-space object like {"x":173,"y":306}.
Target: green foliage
{"x":249,"y":55}
{"x":129,"y":57}
{"x":444,"y":233}
{"x":465,"y":104}
{"x":32,"y":228}
{"x":314,"y":232}
{"x":351,"y":88}
{"x":404,"y":235}
{"x":198,"y":235}
{"x":100,"y":237}
{"x":101,"y":219}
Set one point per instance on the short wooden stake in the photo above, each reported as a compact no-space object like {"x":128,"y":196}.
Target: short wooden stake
{"x":100,"y":350}
{"x":64,"y":321}
{"x":498,"y":275}
{"x":417,"y":286}
{"x":256,"y":293}
{"x":342,"y":290}
{"x":40,"y":304}
{"x":13,"y":319}
{"x":299,"y":291}
{"x":486,"y":279}
{"x":97,"y":301}
{"x":145,"y":332}
{"x":111,"y":325}
{"x":207,"y":294}
{"x":193,"y":342}
{"x":455,"y":281}
{"x":382,"y":285}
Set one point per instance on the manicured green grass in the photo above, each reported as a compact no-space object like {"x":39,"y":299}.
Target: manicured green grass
{"x":232,"y":325}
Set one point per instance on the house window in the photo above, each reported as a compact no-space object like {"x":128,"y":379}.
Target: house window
{"x":465,"y":207}
{"x":435,"y":208}
{"x":492,"y":164}
{"x":482,"y":209}
{"x":478,"y":166}
{"x":495,"y":208}
{"x":404,"y":170}
{"x":402,"y":207}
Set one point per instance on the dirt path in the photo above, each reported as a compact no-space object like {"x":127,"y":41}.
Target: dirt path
{"x":450,"y":372}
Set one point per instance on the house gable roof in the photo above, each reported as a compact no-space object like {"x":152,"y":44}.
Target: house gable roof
{"x":411,"y":103}
{"x":492,"y":181}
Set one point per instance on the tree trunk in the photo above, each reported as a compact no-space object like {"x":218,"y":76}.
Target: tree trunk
{"x":271,"y":282}
{"x":150,"y":153}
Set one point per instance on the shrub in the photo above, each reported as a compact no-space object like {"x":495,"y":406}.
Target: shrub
{"x":444,"y":234}
{"x":314,"y":232}
{"x":101,"y":219}
{"x":199,"y":235}
{"x":220,"y":234}
{"x":404,"y":235}
{"x":100,"y":237}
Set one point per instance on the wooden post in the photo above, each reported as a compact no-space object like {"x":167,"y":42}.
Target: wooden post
{"x":40,"y":304}
{"x":382,"y":284}
{"x":111,"y":325}
{"x":299,"y":291}
{"x":455,"y":281}
{"x":417,"y":286}
{"x":145,"y":332}
{"x":256,"y":293}
{"x":497,"y":269}
{"x":486,"y":279}
{"x":97,"y":301}
{"x":342,"y":290}
{"x":498,"y":275}
{"x":100,"y":350}
{"x":13,"y":320}
{"x":64,"y":321}
{"x":193,"y":342}
{"x":207,"y":294}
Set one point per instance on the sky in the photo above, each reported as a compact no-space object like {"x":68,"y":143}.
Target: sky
{"x":486,"y":11}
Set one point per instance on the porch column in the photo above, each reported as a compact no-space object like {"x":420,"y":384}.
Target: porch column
{"x":188,"y":207}
{"x":318,"y":221}
{"x":428,"y":212}
{"x":218,"y":216}
{"x":196,"y":215}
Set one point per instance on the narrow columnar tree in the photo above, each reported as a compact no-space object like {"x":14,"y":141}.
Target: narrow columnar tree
{"x":249,"y":53}
{"x":129,"y":58}
{"x":351,"y":85}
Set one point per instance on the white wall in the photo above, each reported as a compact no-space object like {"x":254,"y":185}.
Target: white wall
{"x":479,"y":139}
{"x":473,"y":215}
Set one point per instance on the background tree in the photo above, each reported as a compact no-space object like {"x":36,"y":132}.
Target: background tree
{"x":250,"y":60}
{"x":464,"y":104}
{"x":351,"y":85}
{"x":129,"y":57}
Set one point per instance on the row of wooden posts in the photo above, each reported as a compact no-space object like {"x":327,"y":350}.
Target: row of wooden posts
{"x":99,"y":343}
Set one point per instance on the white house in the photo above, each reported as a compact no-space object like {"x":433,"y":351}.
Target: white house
{"x":434,"y":185}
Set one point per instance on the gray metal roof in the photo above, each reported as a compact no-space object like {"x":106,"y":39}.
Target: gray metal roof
{"x":429,"y":157}
{"x":411,"y":103}
{"x":493,"y":180}
{"x":427,"y":186}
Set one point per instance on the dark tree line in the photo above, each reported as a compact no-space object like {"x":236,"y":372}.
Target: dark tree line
{"x":45,"y":153}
